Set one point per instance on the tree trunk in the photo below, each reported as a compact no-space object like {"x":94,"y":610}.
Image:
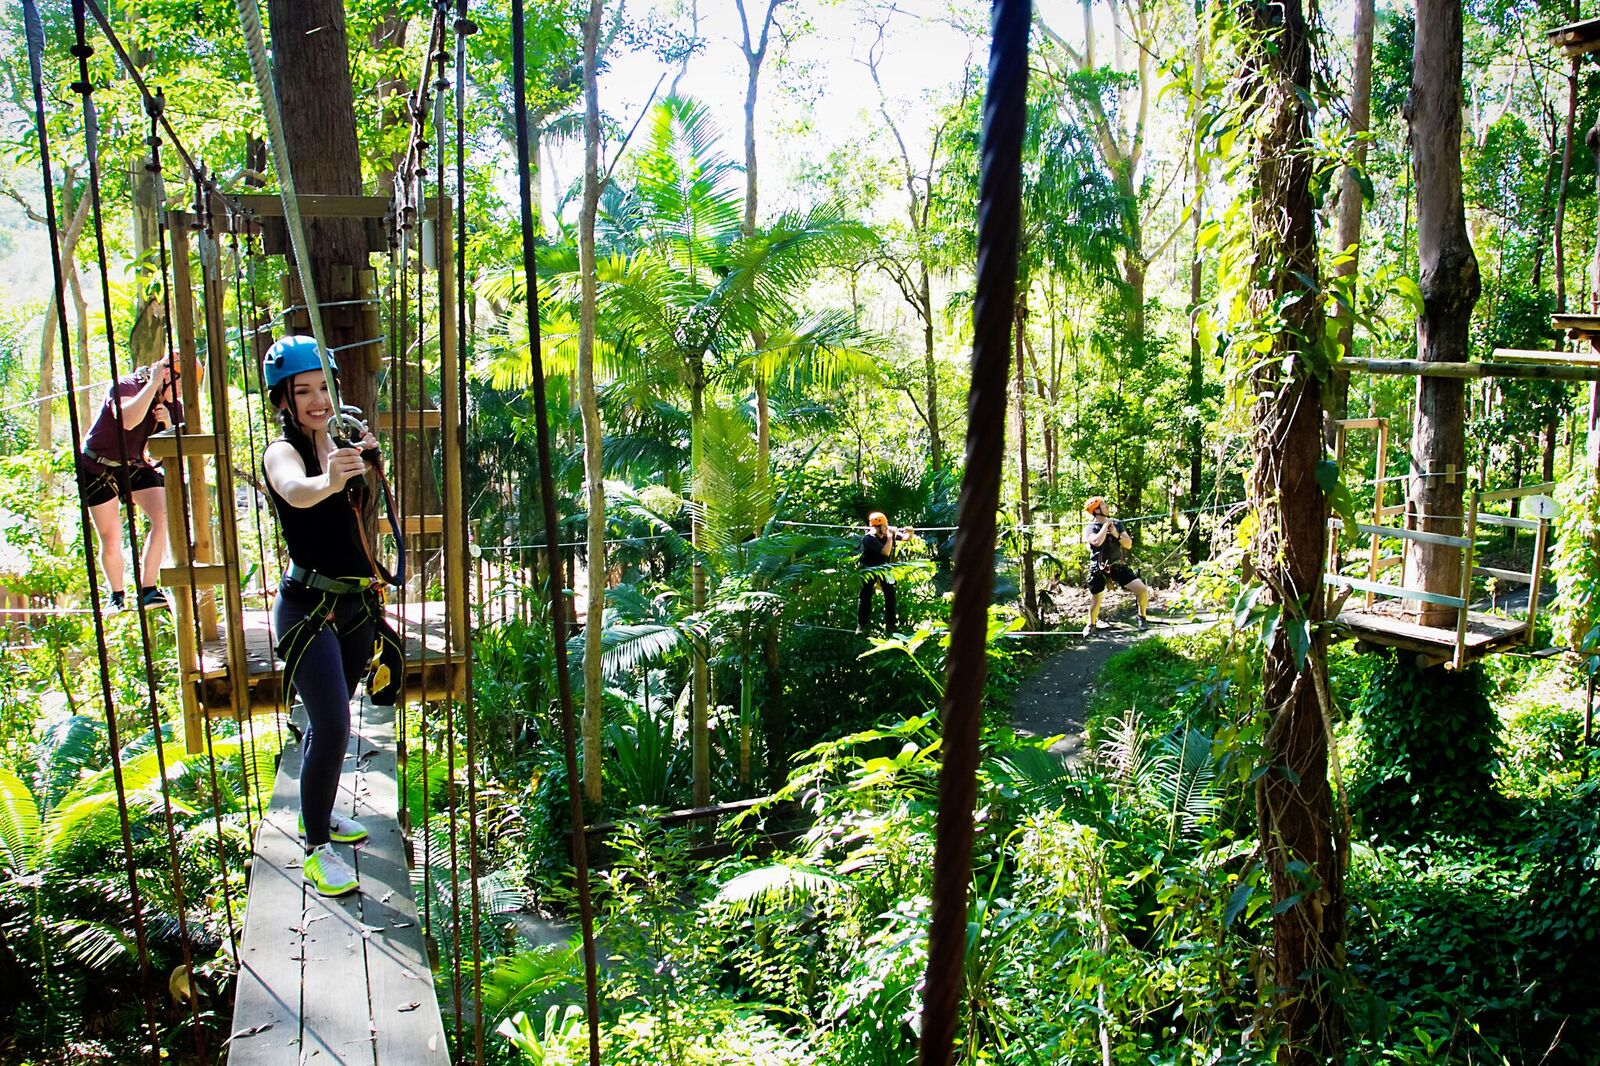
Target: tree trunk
{"x":1348,"y":238}
{"x":1450,"y":285}
{"x":148,"y":336}
{"x":1030,"y":594}
{"x":1197,"y":366}
{"x":594,"y":474}
{"x":930,"y":366}
{"x":1293,"y":802}
{"x":311,"y":68}
{"x":699,"y":717}
{"x":48,"y":336}
{"x":1561,"y":191}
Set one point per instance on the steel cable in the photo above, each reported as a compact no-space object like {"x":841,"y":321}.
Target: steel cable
{"x":558,"y":609}
{"x":33,"y":31}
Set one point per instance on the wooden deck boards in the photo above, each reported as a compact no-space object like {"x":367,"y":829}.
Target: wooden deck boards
{"x":433,"y":670}
{"x":336,"y":981}
{"x":1485,"y":632}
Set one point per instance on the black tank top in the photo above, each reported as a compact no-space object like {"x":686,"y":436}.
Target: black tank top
{"x":324,"y":536}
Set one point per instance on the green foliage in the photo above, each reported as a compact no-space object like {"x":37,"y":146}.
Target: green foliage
{"x":1428,"y":743}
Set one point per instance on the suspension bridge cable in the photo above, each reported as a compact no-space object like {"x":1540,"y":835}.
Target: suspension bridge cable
{"x":464,"y":28}
{"x":999,"y":225}
{"x":33,"y":31}
{"x":558,"y":608}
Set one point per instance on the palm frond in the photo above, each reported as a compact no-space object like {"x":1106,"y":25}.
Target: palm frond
{"x":65,"y":750}
{"x":522,"y":982}
{"x":19,"y":824}
{"x":733,"y":498}
{"x":624,"y":648}
{"x":779,"y":885}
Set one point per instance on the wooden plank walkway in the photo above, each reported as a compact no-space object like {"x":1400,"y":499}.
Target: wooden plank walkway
{"x":337,"y":981}
{"x":433,"y":670}
{"x":1377,"y":625}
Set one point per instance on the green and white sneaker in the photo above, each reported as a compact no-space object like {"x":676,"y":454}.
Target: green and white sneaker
{"x":341,"y":830}
{"x":326,"y":872}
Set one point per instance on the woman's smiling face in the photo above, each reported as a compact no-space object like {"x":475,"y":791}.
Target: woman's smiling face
{"x":308,"y":393}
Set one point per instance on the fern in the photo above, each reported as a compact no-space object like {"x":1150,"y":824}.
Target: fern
{"x":19,"y":824}
{"x":525,"y":981}
{"x":779,"y":885}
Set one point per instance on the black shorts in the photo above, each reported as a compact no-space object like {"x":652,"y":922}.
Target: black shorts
{"x":1121,"y":573}
{"x":99,"y":484}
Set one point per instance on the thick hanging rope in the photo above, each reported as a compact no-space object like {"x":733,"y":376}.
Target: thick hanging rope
{"x":464,"y":28}
{"x":33,"y":31}
{"x":255,"y":44}
{"x":999,"y":225}
{"x":547,"y":492}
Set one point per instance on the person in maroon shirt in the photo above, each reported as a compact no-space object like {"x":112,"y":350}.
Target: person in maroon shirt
{"x":113,"y":466}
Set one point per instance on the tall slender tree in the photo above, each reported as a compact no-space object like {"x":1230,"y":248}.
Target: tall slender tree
{"x":1294,"y":805}
{"x":1347,"y":238}
{"x":589,"y":407}
{"x":1450,"y":286}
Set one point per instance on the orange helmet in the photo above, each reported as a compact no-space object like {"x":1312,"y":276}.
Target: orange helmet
{"x":877,"y":518}
{"x":1093,"y":503}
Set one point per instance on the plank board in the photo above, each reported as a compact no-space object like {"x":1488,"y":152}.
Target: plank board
{"x":432,"y":669}
{"x":336,"y":981}
{"x":1485,"y":632}
{"x":406,"y":1020}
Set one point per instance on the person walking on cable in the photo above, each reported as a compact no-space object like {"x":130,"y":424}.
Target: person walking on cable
{"x":878,"y":549}
{"x":1107,"y":541}
{"x":114,"y":468}
{"x":328,"y":614}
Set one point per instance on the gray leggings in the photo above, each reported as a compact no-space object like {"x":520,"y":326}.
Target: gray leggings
{"x":325,"y":676}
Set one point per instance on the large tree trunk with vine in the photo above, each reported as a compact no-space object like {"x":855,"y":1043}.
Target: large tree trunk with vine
{"x":311,"y":67}
{"x":594,"y":474}
{"x":1450,"y":285}
{"x":1197,"y":367}
{"x":1348,"y":235}
{"x":1293,"y":802}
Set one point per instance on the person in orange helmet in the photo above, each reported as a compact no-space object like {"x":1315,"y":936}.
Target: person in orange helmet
{"x":1107,"y":541}
{"x":878,"y":549}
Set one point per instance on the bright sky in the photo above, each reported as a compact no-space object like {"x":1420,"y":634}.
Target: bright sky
{"x":821,"y":80}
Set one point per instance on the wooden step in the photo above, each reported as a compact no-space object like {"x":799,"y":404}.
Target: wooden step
{"x":164,"y":445}
{"x":1580,"y":326}
{"x":203,"y":575}
{"x":1528,"y":355}
{"x":419,"y":525}
{"x":428,"y":418}
{"x":1575,"y":38}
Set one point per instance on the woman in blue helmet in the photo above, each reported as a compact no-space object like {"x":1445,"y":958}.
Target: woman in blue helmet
{"x":327,"y":614}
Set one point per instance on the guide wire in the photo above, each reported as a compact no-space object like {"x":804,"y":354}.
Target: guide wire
{"x":558,"y":607}
{"x":33,"y":31}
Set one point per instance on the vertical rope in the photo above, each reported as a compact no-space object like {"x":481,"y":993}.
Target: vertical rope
{"x":464,"y":28}
{"x":999,"y":218}
{"x":558,"y":610}
{"x":34,"y":32}
{"x":441,"y":83}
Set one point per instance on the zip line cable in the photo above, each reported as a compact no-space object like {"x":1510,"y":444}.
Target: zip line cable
{"x":33,"y":31}
{"x":558,"y":609}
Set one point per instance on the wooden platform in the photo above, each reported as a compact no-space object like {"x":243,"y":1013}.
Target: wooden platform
{"x":1390,"y":628}
{"x":432,"y":670}
{"x":345,"y":980}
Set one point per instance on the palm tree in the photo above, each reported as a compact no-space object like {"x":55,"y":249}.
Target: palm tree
{"x":694,"y":289}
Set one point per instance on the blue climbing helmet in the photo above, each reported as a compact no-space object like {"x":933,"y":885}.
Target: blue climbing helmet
{"x":290,"y":356}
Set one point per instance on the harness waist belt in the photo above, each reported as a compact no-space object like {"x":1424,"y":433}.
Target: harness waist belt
{"x":103,"y":461}
{"x":339,"y":586}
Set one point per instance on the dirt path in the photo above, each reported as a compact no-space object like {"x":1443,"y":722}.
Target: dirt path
{"x":1056,"y":698}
